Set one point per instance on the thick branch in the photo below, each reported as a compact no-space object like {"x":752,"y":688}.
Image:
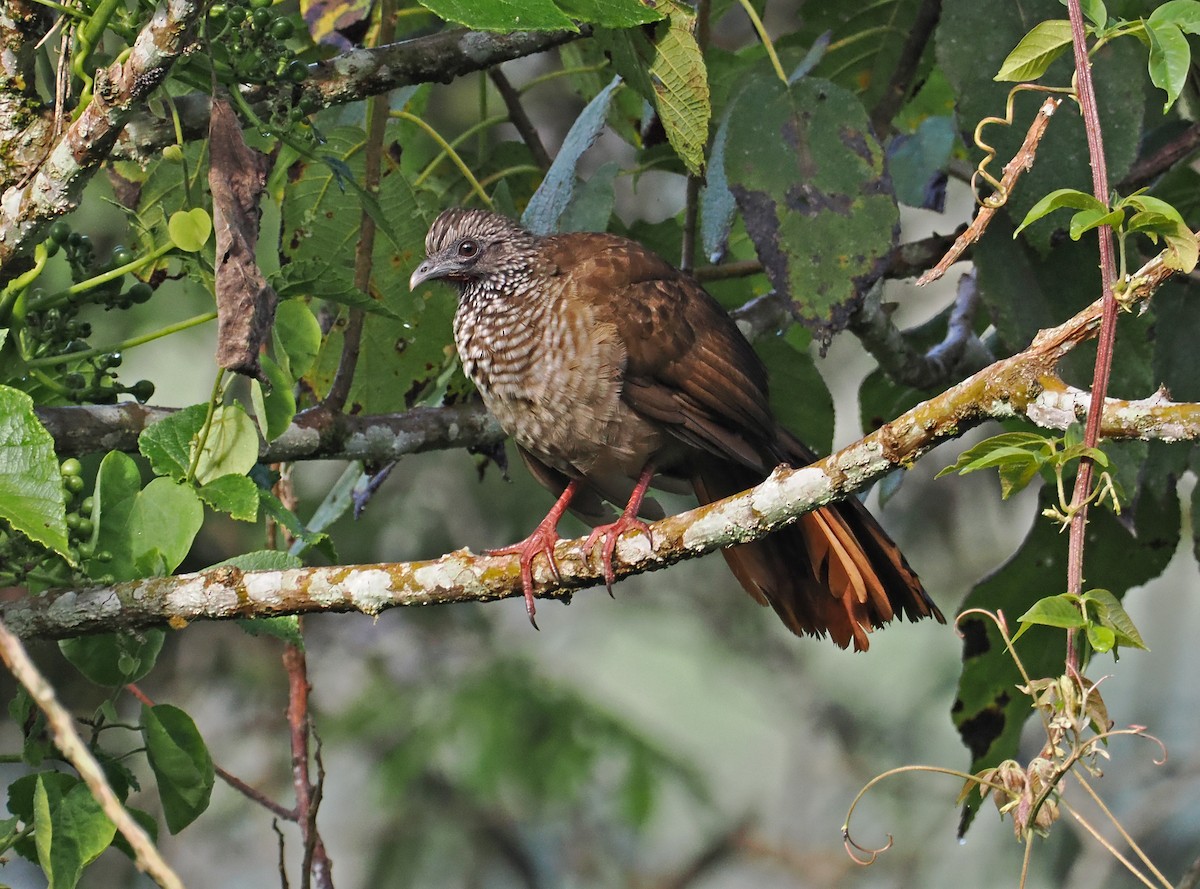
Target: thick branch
{"x":357,"y":75}
{"x":120,"y":89}
{"x":1023,"y":385}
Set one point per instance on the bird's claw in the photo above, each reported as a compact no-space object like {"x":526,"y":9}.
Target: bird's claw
{"x":542,"y":540}
{"x":611,"y":533}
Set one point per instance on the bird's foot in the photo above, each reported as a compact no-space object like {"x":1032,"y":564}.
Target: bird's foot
{"x":611,"y":533}
{"x":542,"y":540}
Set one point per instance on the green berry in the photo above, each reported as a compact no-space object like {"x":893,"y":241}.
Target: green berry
{"x":60,"y":232}
{"x":260,"y":4}
{"x":121,"y":255}
{"x":261,"y":18}
{"x":217,"y":11}
{"x":73,"y":483}
{"x":85,"y":528}
{"x":73,"y":521}
{"x":281,"y":29}
{"x":86,"y":506}
{"x":172,"y":154}
{"x":71,"y":466}
{"x":237,"y":14}
{"x":86,"y":549}
{"x":140,"y":292}
{"x":297,"y":71}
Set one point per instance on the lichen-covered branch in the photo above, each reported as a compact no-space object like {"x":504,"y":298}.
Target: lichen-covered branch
{"x":26,"y":207}
{"x":1022,"y":385}
{"x":357,"y":75}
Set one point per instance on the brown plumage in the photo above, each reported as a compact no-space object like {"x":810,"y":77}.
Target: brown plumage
{"x":612,"y":370}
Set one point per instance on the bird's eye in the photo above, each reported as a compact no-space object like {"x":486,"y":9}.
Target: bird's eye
{"x":468,"y":249}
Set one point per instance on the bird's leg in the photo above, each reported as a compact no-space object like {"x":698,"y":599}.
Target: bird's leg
{"x":627,"y":522}
{"x":542,"y":540}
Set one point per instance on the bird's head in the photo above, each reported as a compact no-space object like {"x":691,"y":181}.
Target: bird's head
{"x":464,"y":246}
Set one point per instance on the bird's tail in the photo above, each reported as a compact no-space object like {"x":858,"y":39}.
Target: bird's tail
{"x":834,"y":571}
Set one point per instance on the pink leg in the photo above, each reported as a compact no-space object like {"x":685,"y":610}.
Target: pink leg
{"x":542,"y":540}
{"x":628,"y":521}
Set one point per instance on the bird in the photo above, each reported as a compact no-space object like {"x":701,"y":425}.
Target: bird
{"x":614,"y":372}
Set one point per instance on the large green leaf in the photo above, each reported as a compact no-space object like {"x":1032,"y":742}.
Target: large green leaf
{"x":502,"y":15}
{"x":809,"y":179}
{"x":114,"y":659}
{"x":163,"y":522}
{"x":181,"y":763}
{"x":118,"y":482}
{"x":70,"y":829}
{"x":31,"y":492}
{"x":680,"y":84}
{"x":167,"y":444}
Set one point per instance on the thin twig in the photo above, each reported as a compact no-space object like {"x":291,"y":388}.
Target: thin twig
{"x":1148,"y":168}
{"x":316,"y":864}
{"x":900,"y":81}
{"x":519,"y":119}
{"x":75,"y":751}
{"x":1020,"y":162}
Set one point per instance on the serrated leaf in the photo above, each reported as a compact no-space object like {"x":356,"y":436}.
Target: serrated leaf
{"x":1036,"y":51}
{"x":167,"y":444}
{"x":190,"y":229}
{"x":114,"y":659}
{"x":502,"y":15}
{"x":310,"y":277}
{"x":1170,"y":58}
{"x":554,"y":194}
{"x":182,"y":766}
{"x":31,"y":491}
{"x":236,"y":495}
{"x":680,"y":82}
{"x":230,"y":447}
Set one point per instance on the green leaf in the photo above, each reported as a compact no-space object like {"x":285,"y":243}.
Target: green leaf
{"x":1181,"y":251}
{"x":1170,"y":58}
{"x":1101,"y":638}
{"x":275,"y":407}
{"x":231,"y":446}
{"x":1183,"y":14}
{"x":914,"y":160}
{"x":31,"y":491}
{"x":1037,"y":49}
{"x":118,"y":483}
{"x":285,"y":628}
{"x":70,"y":829}
{"x":1112,"y":614}
{"x":167,"y":444}
{"x":554,"y":194}
{"x":163,"y":522}
{"x":592,"y":203}
{"x":1011,"y":445}
{"x":233,"y":494}
{"x":114,"y":659}
{"x":1062,"y":197}
{"x":502,"y":15}
{"x":1053,"y":611}
{"x":1095,"y":12}
{"x":799,"y":395}
{"x":680,"y":83}
{"x":1156,"y":206}
{"x":808,"y":177}
{"x":182,"y":766}
{"x":309,"y":277}
{"x":296,"y":336}
{"x":1086,"y":220}
{"x":612,"y":13}
{"x":190,"y":229}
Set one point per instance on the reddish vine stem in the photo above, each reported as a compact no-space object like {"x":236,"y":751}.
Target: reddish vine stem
{"x":317,"y":866}
{"x":1108,"y":320}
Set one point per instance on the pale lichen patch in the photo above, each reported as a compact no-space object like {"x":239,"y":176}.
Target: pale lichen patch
{"x":369,"y":589}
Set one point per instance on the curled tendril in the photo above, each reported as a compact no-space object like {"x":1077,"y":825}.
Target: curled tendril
{"x":868,"y":855}
{"x":1000,"y":195}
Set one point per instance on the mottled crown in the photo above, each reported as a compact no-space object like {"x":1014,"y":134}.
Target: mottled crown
{"x":482,"y":225}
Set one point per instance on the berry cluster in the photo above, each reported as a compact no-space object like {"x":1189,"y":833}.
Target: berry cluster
{"x":24,"y":562}
{"x":52,"y":327}
{"x":249,"y":43}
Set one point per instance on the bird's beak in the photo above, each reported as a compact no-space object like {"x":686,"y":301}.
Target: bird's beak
{"x":426,"y":270}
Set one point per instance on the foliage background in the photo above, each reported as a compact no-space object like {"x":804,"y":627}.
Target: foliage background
{"x":743,"y":733}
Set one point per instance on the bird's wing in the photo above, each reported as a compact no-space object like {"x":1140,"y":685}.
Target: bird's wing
{"x":688,"y":366}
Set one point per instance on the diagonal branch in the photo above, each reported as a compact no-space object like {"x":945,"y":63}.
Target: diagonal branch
{"x":1023,"y":385}
{"x":120,"y":89}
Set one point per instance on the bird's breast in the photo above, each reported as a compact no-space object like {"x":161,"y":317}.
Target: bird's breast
{"x":552,"y":376}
